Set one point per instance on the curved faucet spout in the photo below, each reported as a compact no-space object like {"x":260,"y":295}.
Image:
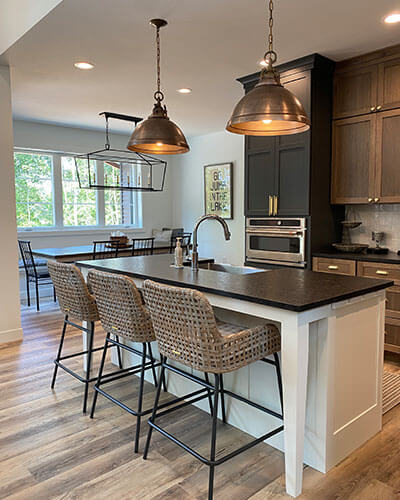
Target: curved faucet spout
{"x":227,"y":234}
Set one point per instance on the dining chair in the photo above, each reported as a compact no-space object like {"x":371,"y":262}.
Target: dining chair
{"x":142,"y":246}
{"x":34,"y":273}
{"x":105,"y":249}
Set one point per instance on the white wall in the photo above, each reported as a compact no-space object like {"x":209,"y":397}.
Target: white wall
{"x":157,"y":207}
{"x":10,"y":322}
{"x":19,"y":16}
{"x":188,"y":194}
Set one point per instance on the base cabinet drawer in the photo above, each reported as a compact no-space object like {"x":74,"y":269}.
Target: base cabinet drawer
{"x":334,"y":266}
{"x":377,"y":270}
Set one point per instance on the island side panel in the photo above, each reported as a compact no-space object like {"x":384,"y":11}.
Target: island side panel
{"x":354,"y":392}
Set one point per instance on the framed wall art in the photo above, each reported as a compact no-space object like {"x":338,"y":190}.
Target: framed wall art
{"x":218,"y":190}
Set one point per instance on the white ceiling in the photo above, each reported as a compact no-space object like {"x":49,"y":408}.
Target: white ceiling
{"x":207,"y":44}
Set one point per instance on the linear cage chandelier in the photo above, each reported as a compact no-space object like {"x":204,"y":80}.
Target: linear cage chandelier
{"x":121,"y":170}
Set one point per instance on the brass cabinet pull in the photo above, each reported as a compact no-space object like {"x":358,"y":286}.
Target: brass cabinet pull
{"x":370,"y":200}
{"x":275,"y":205}
{"x":270,"y":205}
{"x":379,"y":107}
{"x":373,"y":108}
{"x":379,"y":271}
{"x":333,"y":268}
{"x":376,"y":200}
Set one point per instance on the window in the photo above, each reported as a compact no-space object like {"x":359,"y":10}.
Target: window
{"x":113,"y":199}
{"x":79,"y":205}
{"x":48,"y":194}
{"x":34,"y":189}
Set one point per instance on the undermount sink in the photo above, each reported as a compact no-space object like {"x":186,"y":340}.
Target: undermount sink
{"x":227,"y":268}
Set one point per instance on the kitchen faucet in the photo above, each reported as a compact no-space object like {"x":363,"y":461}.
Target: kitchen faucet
{"x":195,"y":255}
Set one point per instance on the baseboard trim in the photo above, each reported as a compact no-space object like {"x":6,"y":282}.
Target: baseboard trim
{"x":11,"y":335}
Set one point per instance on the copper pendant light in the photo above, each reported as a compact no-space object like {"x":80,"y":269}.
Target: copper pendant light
{"x":158,"y":134}
{"x":269,"y":108}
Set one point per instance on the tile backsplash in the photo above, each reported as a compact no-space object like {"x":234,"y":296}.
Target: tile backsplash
{"x":384,"y":218}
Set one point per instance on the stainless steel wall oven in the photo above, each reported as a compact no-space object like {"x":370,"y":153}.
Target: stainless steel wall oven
{"x":280,"y":241}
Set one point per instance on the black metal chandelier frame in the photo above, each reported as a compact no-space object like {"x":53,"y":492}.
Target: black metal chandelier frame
{"x":120,"y":157}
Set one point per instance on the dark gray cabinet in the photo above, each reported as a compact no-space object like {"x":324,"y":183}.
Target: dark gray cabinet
{"x":295,"y":169}
{"x":281,"y":166}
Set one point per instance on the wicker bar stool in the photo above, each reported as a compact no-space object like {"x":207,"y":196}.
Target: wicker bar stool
{"x":76,"y":302}
{"x":188,"y":332}
{"x":123,"y":313}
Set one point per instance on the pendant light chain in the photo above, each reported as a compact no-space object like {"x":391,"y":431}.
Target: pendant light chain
{"x":159,"y":96}
{"x":270,"y":56}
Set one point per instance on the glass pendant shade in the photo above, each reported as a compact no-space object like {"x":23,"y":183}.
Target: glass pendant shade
{"x":268,"y":109}
{"x":158,"y":135}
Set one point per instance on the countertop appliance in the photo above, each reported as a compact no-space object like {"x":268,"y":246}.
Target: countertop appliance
{"x":278,"y":241}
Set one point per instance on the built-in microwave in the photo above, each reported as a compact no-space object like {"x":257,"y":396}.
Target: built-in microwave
{"x":276,"y":241}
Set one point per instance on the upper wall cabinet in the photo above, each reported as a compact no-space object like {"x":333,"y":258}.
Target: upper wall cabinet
{"x":368,"y":84}
{"x":366,"y":129}
{"x":355,"y":92}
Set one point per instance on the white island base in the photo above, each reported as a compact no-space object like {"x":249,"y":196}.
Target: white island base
{"x":332,"y":361}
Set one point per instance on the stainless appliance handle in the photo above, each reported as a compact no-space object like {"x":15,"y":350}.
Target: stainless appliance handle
{"x":271,"y":232}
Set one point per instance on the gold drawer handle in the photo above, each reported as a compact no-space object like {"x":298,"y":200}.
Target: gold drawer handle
{"x":333,"y":267}
{"x":384,"y":273}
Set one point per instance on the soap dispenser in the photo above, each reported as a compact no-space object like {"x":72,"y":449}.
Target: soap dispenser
{"x":178,"y":253}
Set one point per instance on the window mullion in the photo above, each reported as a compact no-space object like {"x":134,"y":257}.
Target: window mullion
{"x":101,"y":217}
{"x":57,"y":192}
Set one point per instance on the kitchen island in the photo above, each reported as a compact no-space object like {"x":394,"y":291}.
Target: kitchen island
{"x":332,"y":330}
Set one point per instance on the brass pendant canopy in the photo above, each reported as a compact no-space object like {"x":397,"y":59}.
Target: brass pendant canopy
{"x":269,"y":108}
{"x":158,"y":134}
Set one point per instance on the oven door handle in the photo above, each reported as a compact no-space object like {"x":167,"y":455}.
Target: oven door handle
{"x":274,"y":233}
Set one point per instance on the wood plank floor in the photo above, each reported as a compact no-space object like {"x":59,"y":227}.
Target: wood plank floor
{"x":49,"y":450}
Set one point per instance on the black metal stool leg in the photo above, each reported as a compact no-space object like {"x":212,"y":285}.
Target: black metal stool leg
{"x":28,"y":292}
{"x":140,"y":397}
{"x":279,"y":377}
{"x":119,"y":353}
{"x":89,"y":365}
{"x":207,"y":379}
{"x":102,"y":362}
{"x":153,"y":370}
{"x":153,"y":414}
{"x":213,"y":437}
{"x":54,"y":294}
{"x":37,"y":295}
{"x":222,"y":400}
{"x":59,"y":351}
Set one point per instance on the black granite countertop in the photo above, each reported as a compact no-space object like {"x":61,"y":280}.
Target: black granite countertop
{"x":389,"y":258}
{"x":292,"y":289}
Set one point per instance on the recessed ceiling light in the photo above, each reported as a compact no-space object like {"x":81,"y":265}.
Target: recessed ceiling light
{"x":392,"y":18}
{"x":185,"y":90}
{"x":84,"y":65}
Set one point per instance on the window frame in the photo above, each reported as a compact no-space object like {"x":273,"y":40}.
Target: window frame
{"x":136,"y":217}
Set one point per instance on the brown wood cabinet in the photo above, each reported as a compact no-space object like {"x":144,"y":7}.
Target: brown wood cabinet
{"x":353,"y":160}
{"x":366,"y":129}
{"x":366,"y":159}
{"x":372,"y":270}
{"x":355,"y":92}
{"x":334,"y":266}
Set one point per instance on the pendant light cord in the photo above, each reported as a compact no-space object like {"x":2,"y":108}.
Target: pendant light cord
{"x":270,"y":56}
{"x":158,"y":95}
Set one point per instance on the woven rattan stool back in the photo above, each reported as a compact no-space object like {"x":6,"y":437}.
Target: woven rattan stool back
{"x":121,"y":307}
{"x":73,"y":294}
{"x":184,"y":324}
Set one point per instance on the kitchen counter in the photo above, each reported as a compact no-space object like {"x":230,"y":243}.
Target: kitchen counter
{"x":332,"y":331}
{"x":291,"y":289}
{"x":389,"y":258}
